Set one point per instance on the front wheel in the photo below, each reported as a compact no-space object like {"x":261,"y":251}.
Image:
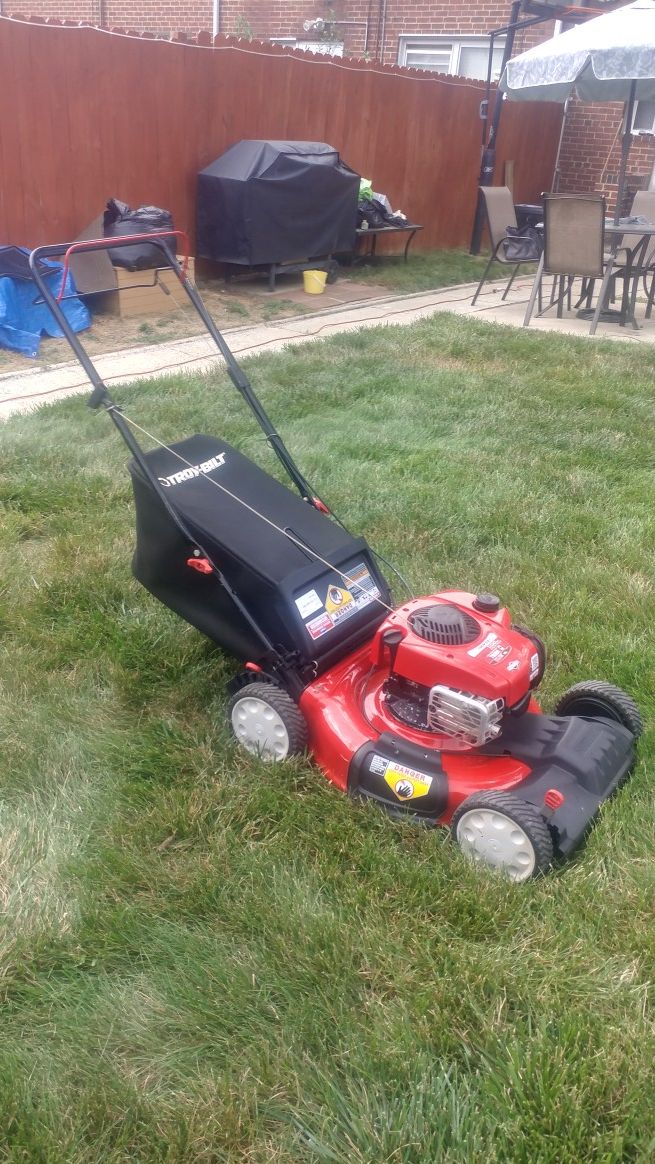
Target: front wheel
{"x":505,"y":833}
{"x":266,"y":722}
{"x":594,"y":698}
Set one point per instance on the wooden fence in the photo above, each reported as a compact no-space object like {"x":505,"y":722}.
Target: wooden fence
{"x":90,"y":115}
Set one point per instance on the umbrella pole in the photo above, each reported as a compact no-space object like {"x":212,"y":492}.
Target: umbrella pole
{"x":628,"y":109}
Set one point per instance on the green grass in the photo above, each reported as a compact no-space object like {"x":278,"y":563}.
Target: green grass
{"x":423,"y":271}
{"x":207,"y":959}
{"x":279,"y":307}
{"x":233,"y":307}
{"x":154,"y":333}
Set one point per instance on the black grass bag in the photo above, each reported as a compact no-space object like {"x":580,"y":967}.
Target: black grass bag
{"x":522,"y":243}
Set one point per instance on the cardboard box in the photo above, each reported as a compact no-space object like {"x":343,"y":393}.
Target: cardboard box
{"x":153,"y":293}
{"x":125,"y":293}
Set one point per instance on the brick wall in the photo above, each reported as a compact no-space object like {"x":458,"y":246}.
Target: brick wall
{"x":364,"y":26}
{"x":591,"y":152}
{"x":86,"y":10}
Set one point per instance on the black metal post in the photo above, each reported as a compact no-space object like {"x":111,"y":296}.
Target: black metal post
{"x":628,"y":111}
{"x":488,"y":160}
{"x":488,"y":154}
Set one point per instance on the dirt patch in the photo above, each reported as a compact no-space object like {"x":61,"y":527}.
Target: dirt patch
{"x":245,"y":300}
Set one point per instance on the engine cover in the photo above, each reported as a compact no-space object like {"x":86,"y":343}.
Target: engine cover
{"x":445,"y":641}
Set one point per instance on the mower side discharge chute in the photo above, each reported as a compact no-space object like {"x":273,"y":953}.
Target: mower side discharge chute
{"x":585,"y":760}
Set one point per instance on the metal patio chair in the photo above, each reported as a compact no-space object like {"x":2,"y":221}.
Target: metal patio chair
{"x":574,"y":241}
{"x":500,"y":213}
{"x":631,"y":258}
{"x":643,"y":205}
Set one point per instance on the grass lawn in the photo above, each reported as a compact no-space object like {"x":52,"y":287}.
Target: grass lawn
{"x":425,"y":270}
{"x":206,"y":959}
{"x":246,"y":300}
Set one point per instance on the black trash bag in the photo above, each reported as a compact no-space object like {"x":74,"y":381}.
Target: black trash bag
{"x":371,"y":212}
{"x":522,"y":243}
{"x":119,"y":220}
{"x":375,"y":214}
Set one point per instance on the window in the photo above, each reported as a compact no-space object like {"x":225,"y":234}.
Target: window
{"x":643,"y":119}
{"x":465,"y":56}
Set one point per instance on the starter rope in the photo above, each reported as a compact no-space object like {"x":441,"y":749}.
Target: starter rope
{"x":350,"y":582}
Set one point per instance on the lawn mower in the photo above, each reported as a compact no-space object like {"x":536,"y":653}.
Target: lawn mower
{"x":426,"y":708}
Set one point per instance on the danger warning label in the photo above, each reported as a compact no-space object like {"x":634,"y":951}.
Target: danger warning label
{"x":338,"y":601}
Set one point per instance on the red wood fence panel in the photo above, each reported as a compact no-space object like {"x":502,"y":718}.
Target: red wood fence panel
{"x":89,"y":115}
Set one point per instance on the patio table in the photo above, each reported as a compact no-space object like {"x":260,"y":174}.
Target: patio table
{"x":634,"y":240}
{"x":529,"y":213}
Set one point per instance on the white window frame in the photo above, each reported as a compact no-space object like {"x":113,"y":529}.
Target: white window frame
{"x":457,"y":41}
{"x":643,"y":132}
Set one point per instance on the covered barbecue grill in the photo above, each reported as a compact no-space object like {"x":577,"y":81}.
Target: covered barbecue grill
{"x":270,"y":202}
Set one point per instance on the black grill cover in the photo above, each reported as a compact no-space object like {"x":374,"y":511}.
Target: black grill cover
{"x":267,"y":202}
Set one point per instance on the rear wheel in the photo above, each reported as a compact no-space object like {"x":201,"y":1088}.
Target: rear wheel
{"x":266,"y":722}
{"x":594,"y":698}
{"x":505,"y":833}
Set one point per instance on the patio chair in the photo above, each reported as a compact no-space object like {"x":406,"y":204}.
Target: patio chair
{"x":631,"y":258}
{"x":500,"y":213}
{"x":574,"y":239}
{"x":643,"y":204}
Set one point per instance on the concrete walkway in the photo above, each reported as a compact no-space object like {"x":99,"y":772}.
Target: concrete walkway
{"x":26,"y":390}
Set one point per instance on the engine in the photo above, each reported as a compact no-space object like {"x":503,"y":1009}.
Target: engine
{"x":465,"y":717}
{"x":457,"y":665}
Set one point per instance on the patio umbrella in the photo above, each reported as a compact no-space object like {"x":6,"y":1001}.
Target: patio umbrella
{"x":610,"y":58}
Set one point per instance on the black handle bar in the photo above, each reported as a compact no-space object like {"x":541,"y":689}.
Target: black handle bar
{"x":57,"y":250}
{"x":100,"y":394}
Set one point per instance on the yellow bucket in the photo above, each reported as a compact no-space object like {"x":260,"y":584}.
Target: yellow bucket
{"x":314,"y":282}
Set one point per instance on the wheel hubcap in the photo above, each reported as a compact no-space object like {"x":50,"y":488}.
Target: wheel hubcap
{"x":491,"y":838}
{"x":260,"y":729}
{"x":594,"y":707}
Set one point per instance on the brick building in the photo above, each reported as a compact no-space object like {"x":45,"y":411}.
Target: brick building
{"x":441,"y":35}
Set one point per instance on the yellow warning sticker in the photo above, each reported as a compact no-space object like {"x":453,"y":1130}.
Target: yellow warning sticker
{"x":337,"y":599}
{"x":406,"y":783}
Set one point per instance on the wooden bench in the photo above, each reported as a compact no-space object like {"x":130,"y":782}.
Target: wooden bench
{"x":372,"y":232}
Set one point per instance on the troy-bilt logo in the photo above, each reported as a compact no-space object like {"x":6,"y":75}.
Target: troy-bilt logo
{"x":193,"y":471}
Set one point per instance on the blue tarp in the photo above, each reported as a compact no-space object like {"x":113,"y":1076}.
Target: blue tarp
{"x":23,"y":322}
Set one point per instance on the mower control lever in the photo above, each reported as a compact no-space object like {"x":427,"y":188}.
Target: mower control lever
{"x":201,"y":565}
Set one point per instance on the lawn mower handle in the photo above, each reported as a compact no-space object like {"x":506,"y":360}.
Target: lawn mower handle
{"x":100,"y":394}
{"x":92,"y":245}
